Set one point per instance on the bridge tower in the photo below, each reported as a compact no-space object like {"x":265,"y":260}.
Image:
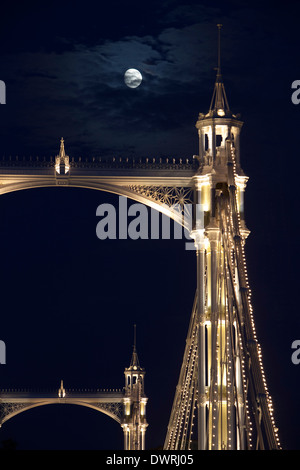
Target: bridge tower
{"x":221,"y":400}
{"x":134,"y":422}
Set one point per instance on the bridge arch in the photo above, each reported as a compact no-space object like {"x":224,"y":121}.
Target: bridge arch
{"x":153,"y":199}
{"x":173,"y":212}
{"x":113,"y":412}
{"x":57,"y":427}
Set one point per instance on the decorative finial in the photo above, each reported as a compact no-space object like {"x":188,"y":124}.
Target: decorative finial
{"x":61,"y":391}
{"x":219,"y":104}
{"x":62,"y":148}
{"x":62,"y":161}
{"x":219,"y":49}
{"x":134,"y":359}
{"x":134,"y":338}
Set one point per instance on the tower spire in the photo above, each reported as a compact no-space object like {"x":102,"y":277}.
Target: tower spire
{"x":219,"y":50}
{"x":219,"y":104}
{"x":134,"y":336}
{"x":134,"y":360}
{"x":219,"y":125}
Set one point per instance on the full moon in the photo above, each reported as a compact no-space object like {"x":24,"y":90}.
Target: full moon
{"x":133,"y":78}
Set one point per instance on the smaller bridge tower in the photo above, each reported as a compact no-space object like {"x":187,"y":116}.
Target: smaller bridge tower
{"x":127,"y":406}
{"x":134,"y":422}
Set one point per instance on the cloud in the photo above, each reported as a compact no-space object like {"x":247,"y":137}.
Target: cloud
{"x":79,"y":92}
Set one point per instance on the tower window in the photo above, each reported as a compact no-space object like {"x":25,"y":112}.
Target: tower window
{"x":205,"y":142}
{"x":219,"y":139}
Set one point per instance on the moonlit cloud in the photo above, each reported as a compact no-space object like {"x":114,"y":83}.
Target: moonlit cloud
{"x":78,"y":91}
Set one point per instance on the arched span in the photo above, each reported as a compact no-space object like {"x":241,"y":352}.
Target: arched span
{"x":95,"y":406}
{"x":173,"y":212}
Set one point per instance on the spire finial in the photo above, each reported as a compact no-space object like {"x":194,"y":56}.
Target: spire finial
{"x":61,"y":391}
{"x":134,"y":360}
{"x":134,"y":338}
{"x":219,"y":103}
{"x":62,"y":161}
{"x":62,"y":148}
{"x":219,"y":49}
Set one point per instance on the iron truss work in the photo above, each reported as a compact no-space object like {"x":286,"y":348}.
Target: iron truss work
{"x":162,"y":184}
{"x":13,"y":402}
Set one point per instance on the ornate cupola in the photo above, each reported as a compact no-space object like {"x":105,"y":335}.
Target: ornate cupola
{"x":219,"y":134}
{"x":218,"y":125}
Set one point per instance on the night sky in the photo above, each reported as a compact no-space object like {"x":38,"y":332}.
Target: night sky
{"x":69,"y":300}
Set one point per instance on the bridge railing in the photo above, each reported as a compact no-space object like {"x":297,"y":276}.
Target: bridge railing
{"x":101,"y":162}
{"x":53,"y":393}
